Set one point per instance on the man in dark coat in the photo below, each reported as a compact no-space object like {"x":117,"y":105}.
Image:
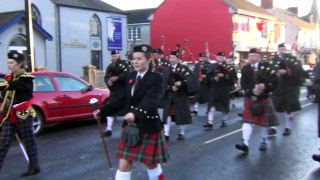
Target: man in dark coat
{"x":176,"y":101}
{"x":219,"y":81}
{"x":286,"y":96}
{"x":257,"y":80}
{"x":200,"y":70}
{"x":115,"y":77}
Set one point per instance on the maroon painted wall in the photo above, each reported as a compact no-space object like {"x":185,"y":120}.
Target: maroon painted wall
{"x":199,"y":21}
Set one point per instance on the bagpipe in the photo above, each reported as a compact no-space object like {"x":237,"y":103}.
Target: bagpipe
{"x":184,"y":74}
{"x":129,"y":52}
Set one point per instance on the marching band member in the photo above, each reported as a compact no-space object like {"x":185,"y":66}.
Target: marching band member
{"x":176,"y":101}
{"x":290,"y":73}
{"x":16,"y":97}
{"x":257,"y":80}
{"x":141,"y":99}
{"x":115,"y":78}
{"x":162,"y":66}
{"x":219,"y":82}
{"x":316,"y":86}
{"x":201,"y":69}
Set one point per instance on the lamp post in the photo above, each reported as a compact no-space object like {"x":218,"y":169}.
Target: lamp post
{"x":29,"y":36}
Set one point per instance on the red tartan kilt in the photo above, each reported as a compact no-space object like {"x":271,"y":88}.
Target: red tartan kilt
{"x":267,"y":119}
{"x":152,"y":149}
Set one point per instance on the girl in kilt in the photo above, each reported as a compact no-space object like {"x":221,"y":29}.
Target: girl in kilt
{"x":257,"y":80}
{"x":141,"y":100}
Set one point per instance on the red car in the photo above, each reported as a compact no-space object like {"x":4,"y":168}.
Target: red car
{"x":61,"y":97}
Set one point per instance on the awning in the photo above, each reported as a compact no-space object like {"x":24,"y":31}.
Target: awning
{"x":12,"y":18}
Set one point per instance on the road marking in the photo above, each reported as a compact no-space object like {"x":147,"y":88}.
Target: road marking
{"x":236,"y":131}
{"x":309,"y":104}
{"x":223,"y":136}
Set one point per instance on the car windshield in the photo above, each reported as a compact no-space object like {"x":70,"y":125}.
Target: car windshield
{"x":42,"y":83}
{"x":69,"y":83}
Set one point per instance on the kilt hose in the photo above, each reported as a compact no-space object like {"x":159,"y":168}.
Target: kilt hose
{"x":152,"y":149}
{"x":268,"y":117}
{"x":24,"y":128}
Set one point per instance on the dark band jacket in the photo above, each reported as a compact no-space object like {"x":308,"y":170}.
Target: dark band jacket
{"x":160,"y":67}
{"x":118,"y":68}
{"x":290,"y":64}
{"x":224,"y":69}
{"x":9,"y":101}
{"x":186,"y":77}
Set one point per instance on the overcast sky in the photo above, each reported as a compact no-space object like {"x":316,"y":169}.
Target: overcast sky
{"x":304,"y":5}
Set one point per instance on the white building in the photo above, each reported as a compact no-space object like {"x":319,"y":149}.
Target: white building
{"x":68,"y":34}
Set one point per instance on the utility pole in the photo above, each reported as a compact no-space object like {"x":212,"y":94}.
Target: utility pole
{"x":29,"y":36}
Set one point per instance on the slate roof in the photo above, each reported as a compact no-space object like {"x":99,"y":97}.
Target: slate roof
{"x":8,"y":16}
{"x":296,"y":20}
{"x":245,"y":7}
{"x":139,"y":15}
{"x":89,"y":4}
{"x":7,"y":19}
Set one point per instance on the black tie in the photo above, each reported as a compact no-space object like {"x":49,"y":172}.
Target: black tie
{"x":136,"y":83}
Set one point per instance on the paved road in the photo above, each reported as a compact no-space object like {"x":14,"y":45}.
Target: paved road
{"x":74,"y":151}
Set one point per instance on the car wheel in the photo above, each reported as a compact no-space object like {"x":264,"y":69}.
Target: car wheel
{"x":38,"y":122}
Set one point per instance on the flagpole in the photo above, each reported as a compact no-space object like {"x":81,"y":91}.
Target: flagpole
{"x":29,"y":36}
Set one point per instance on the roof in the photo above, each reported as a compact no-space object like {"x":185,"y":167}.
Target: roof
{"x":89,"y":4}
{"x":139,"y":15}
{"x":245,"y":7}
{"x":296,"y":20}
{"x":8,"y":19}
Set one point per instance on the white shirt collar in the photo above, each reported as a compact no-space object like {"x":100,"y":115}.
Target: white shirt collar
{"x":174,"y":65}
{"x":142,"y":73}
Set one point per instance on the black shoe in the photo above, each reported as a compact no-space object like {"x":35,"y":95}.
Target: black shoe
{"x":194,"y":113}
{"x":181,"y":137}
{"x":240,"y":114}
{"x":242,"y":147}
{"x":31,"y":172}
{"x":316,"y":157}
{"x":166,"y":137}
{"x":287,"y":132}
{"x":272,"y":131}
{"x":263,"y":146}
{"x":208,"y":126}
{"x":224,"y":124}
{"x":107,"y":133}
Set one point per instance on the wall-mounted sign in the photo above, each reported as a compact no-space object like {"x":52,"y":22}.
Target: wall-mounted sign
{"x":114,"y":33}
{"x":74,"y":43}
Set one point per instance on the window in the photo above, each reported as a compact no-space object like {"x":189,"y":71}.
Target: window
{"x":36,"y":17}
{"x":264,"y":32}
{"x":96,"y":59}
{"x":235,"y":27}
{"x":244,"y":23}
{"x":134,"y":33}
{"x":95,"y":26}
{"x":42,"y":83}
{"x":67,"y":84}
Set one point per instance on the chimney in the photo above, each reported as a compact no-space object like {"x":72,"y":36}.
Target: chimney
{"x":294,"y":10}
{"x":311,"y":19}
{"x":267,"y":4}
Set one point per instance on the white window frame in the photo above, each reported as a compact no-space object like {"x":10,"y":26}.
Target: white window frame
{"x":134,"y":33}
